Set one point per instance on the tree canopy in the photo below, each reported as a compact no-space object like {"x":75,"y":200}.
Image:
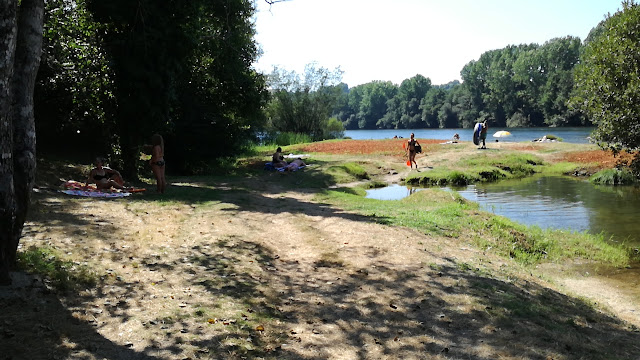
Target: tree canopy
{"x":519,"y":85}
{"x":302,"y":103}
{"x":116,"y":72}
{"x":608,"y":81}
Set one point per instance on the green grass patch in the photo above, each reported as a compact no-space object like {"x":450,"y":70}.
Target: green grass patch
{"x":443,"y":213}
{"x":432,"y":211}
{"x":613,"y":177}
{"x":561,"y":168}
{"x":62,"y":273}
{"x":531,"y":244}
{"x":348,"y":171}
{"x":482,"y":168}
{"x":375,"y":184}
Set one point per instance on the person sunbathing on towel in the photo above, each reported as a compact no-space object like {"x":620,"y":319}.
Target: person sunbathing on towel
{"x":295,"y":165}
{"x":104,"y":177}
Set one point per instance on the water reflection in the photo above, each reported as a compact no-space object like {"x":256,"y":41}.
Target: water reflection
{"x":563,"y":203}
{"x":391,"y":192}
{"x":556,"y":202}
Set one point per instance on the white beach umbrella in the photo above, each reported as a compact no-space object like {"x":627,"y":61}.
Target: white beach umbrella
{"x":501,"y":134}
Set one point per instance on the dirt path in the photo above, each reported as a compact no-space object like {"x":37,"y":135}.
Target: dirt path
{"x":265,"y":272}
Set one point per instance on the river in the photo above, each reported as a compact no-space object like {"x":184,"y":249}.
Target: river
{"x":574,"y":135}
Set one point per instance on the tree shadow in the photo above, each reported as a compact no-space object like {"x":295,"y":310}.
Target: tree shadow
{"x":452,"y":309}
{"x":36,"y":324}
{"x":254,"y":197}
{"x":319,"y":310}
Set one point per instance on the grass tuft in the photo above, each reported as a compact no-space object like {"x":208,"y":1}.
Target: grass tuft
{"x":613,"y":177}
{"x":63,"y":274}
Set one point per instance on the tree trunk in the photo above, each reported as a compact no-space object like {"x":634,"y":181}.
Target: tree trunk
{"x":8,"y":32}
{"x":27,"y":62}
{"x":20,"y":51}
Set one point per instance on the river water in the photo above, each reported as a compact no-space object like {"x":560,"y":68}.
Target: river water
{"x":574,"y":135}
{"x":557,"y":202}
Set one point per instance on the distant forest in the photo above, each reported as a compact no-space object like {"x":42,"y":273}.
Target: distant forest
{"x":517,"y":86}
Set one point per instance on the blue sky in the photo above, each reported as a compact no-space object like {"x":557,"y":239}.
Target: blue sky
{"x":396,"y":39}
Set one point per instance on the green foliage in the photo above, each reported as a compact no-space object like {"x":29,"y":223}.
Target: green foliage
{"x":613,"y":177}
{"x":216,"y":112}
{"x":304,"y":104}
{"x":607,"y":82}
{"x":333,"y":129}
{"x":553,"y":137}
{"x":73,"y":97}
{"x":63,"y":274}
{"x":523,"y":85}
{"x":403,"y":109}
{"x":287,"y":138}
{"x":182,"y":70}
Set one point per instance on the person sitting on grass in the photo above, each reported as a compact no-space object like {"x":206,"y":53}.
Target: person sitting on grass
{"x":295,"y":165}
{"x":277,"y":160}
{"x":104,"y":177}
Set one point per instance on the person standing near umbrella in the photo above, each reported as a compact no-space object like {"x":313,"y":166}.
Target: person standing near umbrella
{"x":483,"y":134}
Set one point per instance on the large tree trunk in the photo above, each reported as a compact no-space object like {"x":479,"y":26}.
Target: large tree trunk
{"x":8,"y":31}
{"x":20,"y":50}
{"x":27,"y":62}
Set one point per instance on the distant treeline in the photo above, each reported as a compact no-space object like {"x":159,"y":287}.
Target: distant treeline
{"x":523,"y":85}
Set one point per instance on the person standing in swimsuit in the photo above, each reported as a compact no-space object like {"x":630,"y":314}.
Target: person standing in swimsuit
{"x":104,"y":177}
{"x":411,"y":147}
{"x":157,"y":162}
{"x":483,"y":134}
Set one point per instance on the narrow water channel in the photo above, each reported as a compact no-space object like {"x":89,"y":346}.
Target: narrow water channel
{"x":556,"y":202}
{"x":562,"y":203}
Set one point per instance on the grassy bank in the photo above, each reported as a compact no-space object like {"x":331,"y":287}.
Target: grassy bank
{"x":441,"y":213}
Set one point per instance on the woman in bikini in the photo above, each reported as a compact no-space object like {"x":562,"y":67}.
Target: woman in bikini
{"x":157,"y":162}
{"x":411,"y":147}
{"x":104,"y":177}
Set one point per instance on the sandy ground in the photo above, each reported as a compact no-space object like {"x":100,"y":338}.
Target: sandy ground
{"x":267,"y":272}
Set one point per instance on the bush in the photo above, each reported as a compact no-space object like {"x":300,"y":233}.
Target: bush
{"x":285,"y":138}
{"x":553,"y":137}
{"x":333,"y":129}
{"x":613,"y":177}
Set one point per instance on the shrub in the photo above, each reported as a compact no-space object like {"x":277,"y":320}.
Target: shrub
{"x":613,"y":177}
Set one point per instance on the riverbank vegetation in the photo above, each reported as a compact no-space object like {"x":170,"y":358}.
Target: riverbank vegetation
{"x":614,"y":177}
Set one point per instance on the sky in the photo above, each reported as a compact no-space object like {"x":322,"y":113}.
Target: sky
{"x":393,"y":40}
